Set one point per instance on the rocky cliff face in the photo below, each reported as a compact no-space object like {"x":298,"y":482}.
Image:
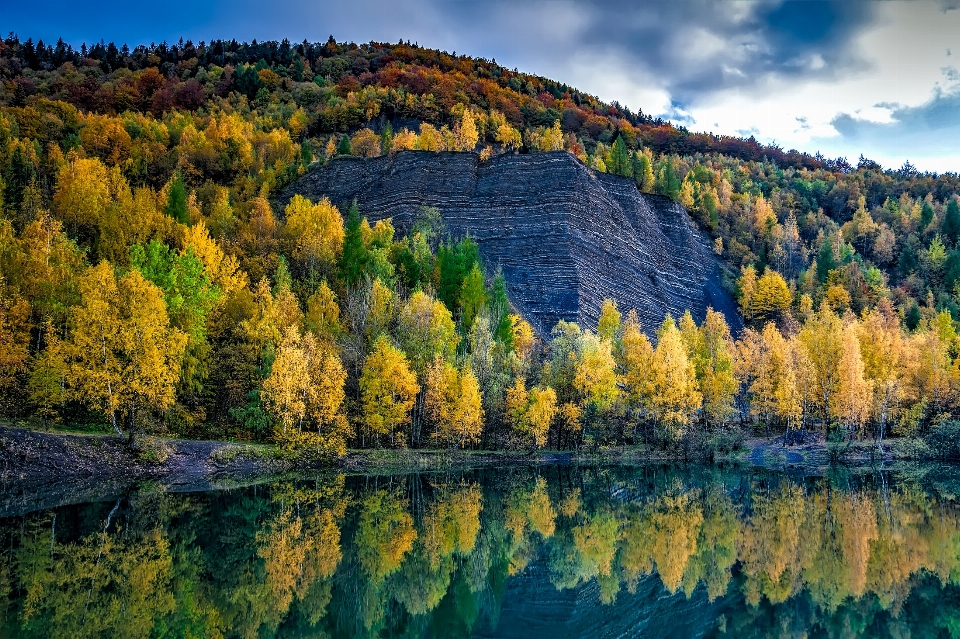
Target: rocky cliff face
{"x":565,"y":236}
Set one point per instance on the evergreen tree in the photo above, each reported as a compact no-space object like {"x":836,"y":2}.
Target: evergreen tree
{"x":667,"y":181}
{"x":620,"y":163}
{"x":354,"y":257}
{"x":826,"y":260}
{"x":500,"y":308}
{"x":950,"y":229}
{"x":926,"y":215}
{"x":177,"y":200}
{"x":344,"y":147}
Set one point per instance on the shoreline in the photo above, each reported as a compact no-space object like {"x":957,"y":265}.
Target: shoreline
{"x":40,"y":469}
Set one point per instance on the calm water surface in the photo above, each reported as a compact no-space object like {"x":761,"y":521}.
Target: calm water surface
{"x":519,"y":552}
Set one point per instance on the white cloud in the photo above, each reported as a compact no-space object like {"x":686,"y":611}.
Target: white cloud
{"x":906,"y":55}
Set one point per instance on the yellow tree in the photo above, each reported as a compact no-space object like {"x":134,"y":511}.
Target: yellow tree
{"x":595,"y":377}
{"x":531,"y":413}
{"x":452,"y":402}
{"x":771,"y":298}
{"x":822,"y":341}
{"x":466,"y":132}
{"x":323,"y":313}
{"x":426,"y":330}
{"x":315,"y":232}
{"x":540,"y":413}
{"x":851,"y":402}
{"x":674,"y":394}
{"x":714,"y":362}
{"x":307,"y":383}
{"x":122,"y":355}
{"x":608,"y":326}
{"x":222,"y":269}
{"x":884,"y":359}
{"x":768,"y":365}
{"x":83,"y":193}
{"x":366,"y":143}
{"x":285,"y":391}
{"x":636,"y":362}
{"x":388,"y":389}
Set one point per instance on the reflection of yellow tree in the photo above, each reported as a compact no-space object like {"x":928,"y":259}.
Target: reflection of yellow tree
{"x":528,"y":512}
{"x":770,"y":544}
{"x":450,"y":528}
{"x":105,"y":584}
{"x":385,"y":534}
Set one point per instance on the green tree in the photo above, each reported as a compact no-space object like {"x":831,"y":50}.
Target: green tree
{"x":620,"y":163}
{"x":177,"y":200}
{"x":950,"y":229}
{"x":354,"y":258}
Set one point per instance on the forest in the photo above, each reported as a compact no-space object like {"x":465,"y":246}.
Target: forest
{"x":151,"y":283}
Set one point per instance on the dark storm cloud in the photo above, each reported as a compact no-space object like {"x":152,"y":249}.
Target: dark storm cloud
{"x":752,"y":40}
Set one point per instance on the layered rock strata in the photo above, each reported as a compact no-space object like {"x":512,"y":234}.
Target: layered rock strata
{"x":565,"y":236}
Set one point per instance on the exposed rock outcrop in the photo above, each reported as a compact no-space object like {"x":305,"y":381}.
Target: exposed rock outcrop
{"x":565,"y":236}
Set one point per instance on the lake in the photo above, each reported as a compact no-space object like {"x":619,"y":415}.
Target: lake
{"x":549,"y":551}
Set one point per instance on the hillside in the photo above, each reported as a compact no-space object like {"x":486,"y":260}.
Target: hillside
{"x":565,"y":237}
{"x":156,"y":275}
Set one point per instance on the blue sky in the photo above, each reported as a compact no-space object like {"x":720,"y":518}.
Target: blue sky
{"x":843,"y":78}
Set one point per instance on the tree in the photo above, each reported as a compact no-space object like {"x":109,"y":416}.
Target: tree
{"x":323,"y":313}
{"x":466,"y":132}
{"x":189,"y":296}
{"x":365,"y":143}
{"x":636,"y":362}
{"x":306,"y":382}
{"x":620,"y":162}
{"x":851,"y":402}
{"x":884,"y":353}
{"x":765,"y":298}
{"x":344,"y":147}
{"x":316,"y":233}
{"x":453,"y":403}
{"x":388,"y":389}
{"x":83,"y":194}
{"x":355,"y":256}
{"x":176,"y":206}
{"x":674,"y":395}
{"x":608,"y":326}
{"x":950,"y":227}
{"x":473,"y":296}
{"x":123,"y":356}
{"x":714,"y":363}
{"x":595,"y":377}
{"x":426,"y":330}
{"x":531,"y":413}
{"x":822,"y":339}
{"x":643,"y":172}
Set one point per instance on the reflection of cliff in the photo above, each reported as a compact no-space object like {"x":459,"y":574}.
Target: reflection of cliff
{"x":565,"y":236}
{"x":533,"y":608}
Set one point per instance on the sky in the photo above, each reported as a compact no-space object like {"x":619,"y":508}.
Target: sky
{"x":850,"y":78}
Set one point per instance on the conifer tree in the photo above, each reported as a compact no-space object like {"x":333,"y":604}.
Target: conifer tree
{"x":354,"y":257}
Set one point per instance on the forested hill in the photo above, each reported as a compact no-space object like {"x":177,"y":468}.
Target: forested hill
{"x":151,"y":276}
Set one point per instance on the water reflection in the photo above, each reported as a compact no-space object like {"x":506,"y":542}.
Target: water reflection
{"x":518,"y":552}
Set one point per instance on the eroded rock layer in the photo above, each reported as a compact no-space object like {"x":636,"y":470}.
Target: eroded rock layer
{"x":565,"y":236}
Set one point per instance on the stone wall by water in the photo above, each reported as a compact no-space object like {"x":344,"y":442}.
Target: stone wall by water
{"x":565,"y":236}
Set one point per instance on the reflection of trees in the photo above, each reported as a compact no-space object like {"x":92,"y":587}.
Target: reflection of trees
{"x":421,"y":557}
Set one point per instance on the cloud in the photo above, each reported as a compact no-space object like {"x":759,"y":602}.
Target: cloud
{"x":926,"y":134}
